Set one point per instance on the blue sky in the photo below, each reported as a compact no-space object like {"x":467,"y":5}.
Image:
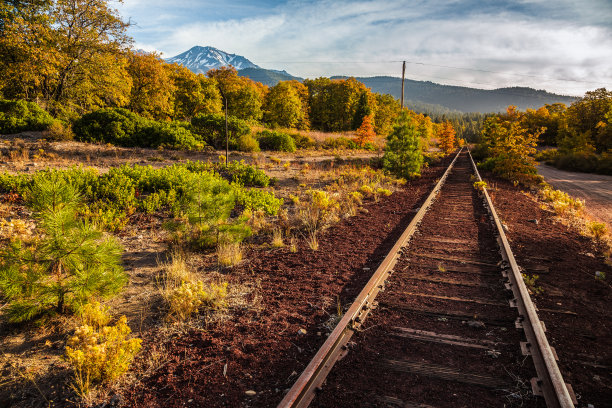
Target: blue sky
{"x":560,"y":45}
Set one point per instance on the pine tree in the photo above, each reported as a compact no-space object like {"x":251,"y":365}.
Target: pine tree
{"x":365,"y":133}
{"x":403,"y":155}
{"x":67,"y":267}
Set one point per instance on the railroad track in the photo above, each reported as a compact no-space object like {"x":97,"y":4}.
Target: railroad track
{"x":451,"y":319}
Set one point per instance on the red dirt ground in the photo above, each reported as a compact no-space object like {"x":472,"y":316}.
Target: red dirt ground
{"x":264,"y":351}
{"x":582,"y":336}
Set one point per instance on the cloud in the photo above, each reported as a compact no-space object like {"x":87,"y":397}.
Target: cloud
{"x":526,"y":43}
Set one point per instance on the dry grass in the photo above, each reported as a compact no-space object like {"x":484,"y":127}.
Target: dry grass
{"x":229,"y":254}
{"x":277,"y":238}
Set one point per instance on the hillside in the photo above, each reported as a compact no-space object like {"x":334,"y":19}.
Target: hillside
{"x":268,"y":77}
{"x":461,"y":98}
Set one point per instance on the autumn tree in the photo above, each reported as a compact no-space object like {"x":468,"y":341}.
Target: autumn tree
{"x":286,"y":105}
{"x":194,"y":93}
{"x":510,"y":146}
{"x":586,"y":123}
{"x":333,"y":102}
{"x":386,"y":112}
{"x":244,"y":96}
{"x":446,"y":137}
{"x":66,"y":54}
{"x":152,"y":94}
{"x":365,"y":133}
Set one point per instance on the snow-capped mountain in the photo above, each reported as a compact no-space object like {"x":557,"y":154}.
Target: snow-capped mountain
{"x":201,"y":59}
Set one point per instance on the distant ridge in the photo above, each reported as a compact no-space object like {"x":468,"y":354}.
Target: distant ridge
{"x":422,"y":96}
{"x":462,"y":98}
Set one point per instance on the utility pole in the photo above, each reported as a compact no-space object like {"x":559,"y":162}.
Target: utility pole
{"x":403,"y":74}
{"x":226,"y":129}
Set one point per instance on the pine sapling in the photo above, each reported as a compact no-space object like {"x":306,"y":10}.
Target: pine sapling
{"x":70,"y":264}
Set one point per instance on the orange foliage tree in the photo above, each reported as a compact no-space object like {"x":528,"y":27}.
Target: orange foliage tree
{"x":446,"y":137}
{"x":365,"y":133}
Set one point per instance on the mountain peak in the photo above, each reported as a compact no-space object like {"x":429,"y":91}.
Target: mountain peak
{"x":200,"y":59}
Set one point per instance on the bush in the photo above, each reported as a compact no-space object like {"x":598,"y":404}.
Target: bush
{"x":276,"y":141}
{"x":211,"y":128}
{"x":99,"y":353}
{"x":245,"y":174}
{"x":339,"y":143}
{"x":60,"y":131}
{"x":255,"y":200}
{"x":69,"y":265}
{"x":302,"y":141}
{"x":247,"y":143}
{"x":21,"y":116}
{"x":121,"y":127}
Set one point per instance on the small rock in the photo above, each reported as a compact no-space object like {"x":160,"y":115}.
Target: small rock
{"x":476,"y":324}
{"x":590,"y":255}
{"x":493,"y":353}
{"x":190,"y":401}
{"x":250,"y":393}
{"x":302,"y":332}
{"x":318,"y":333}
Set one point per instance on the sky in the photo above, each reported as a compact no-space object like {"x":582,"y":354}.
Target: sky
{"x":563,"y":46}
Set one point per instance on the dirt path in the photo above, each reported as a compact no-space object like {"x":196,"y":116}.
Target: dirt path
{"x":595,"y":189}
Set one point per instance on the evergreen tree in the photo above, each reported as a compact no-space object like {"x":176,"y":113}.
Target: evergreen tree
{"x":403,"y":155}
{"x":67,"y":267}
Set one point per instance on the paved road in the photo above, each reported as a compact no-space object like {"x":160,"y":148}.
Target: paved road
{"x":595,"y":189}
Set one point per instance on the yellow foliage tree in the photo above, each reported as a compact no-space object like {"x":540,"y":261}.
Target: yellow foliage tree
{"x":446,"y":137}
{"x":510,"y":146}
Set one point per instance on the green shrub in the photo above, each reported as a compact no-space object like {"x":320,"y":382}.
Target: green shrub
{"x":585,"y":162}
{"x":114,"y":125}
{"x":255,"y":200}
{"x":247,"y":143}
{"x":20,"y":116}
{"x":246,"y":175}
{"x":122,"y":127}
{"x":302,"y":141}
{"x":276,"y":141}
{"x":211,"y":128}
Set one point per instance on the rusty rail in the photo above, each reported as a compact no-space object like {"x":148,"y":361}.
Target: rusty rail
{"x":550,"y":382}
{"x":313,"y":376}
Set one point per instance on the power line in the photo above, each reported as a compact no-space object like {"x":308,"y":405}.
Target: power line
{"x":434,"y":65}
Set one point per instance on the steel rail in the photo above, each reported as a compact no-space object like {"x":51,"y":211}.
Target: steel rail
{"x":335,"y":347}
{"x":550,"y":382}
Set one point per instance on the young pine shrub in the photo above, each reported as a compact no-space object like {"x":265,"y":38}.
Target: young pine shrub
{"x":99,"y":353}
{"x":70,"y":264}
